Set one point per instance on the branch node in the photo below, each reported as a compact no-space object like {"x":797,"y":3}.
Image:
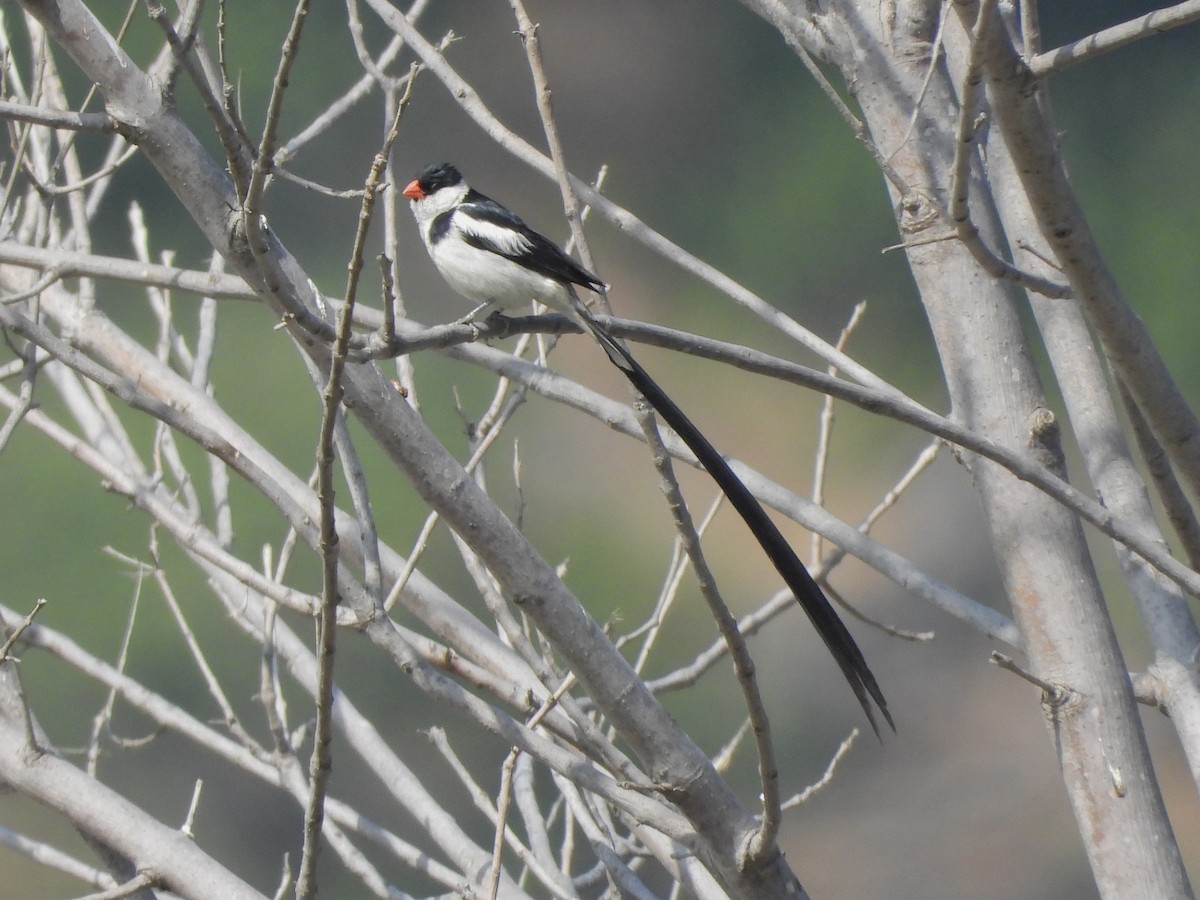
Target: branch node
{"x":1054,"y":696}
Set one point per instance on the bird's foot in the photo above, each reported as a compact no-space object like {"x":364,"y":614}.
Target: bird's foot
{"x":478,"y":313}
{"x":495,"y":322}
{"x":498,"y":322}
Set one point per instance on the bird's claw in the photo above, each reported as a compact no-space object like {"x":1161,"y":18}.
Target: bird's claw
{"x":499,"y":322}
{"x":495,"y":321}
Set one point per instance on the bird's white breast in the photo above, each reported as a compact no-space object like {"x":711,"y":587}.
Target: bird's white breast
{"x":484,"y":276}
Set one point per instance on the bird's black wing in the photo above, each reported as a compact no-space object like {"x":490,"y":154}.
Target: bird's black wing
{"x":490,"y":226}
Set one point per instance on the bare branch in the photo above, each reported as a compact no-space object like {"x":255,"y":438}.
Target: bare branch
{"x":232,"y":138}
{"x":69,"y":263}
{"x":174,"y":861}
{"x":104,"y":361}
{"x":72,"y":121}
{"x":1054,"y":61}
{"x":1022,"y":465}
{"x":1183,"y":519}
{"x":53,"y":858}
{"x":825,"y":429}
{"x":1034,"y":146}
{"x":964,"y":153}
{"x":827,"y":776}
{"x":11,"y":640}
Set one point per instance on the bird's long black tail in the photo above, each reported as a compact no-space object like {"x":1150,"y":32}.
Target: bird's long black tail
{"x":807,"y":592}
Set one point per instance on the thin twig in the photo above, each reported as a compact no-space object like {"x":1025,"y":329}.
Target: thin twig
{"x":392,"y":298}
{"x":371,"y":189}
{"x":360,"y":497}
{"x":269,"y":693}
{"x":26,"y":132}
{"x":49,"y":277}
{"x":879,"y":403}
{"x":233,"y":142}
{"x":70,"y":263}
{"x":135,"y":886}
{"x":502,"y":804}
{"x":723,"y":758}
{"x":1175,"y":503}
{"x":675,"y":573}
{"x":316,"y":187}
{"x":538,"y":823}
{"x":101,"y":721}
{"x":624,"y":882}
{"x":1057,"y":60}
{"x":890,"y":630}
{"x":762,"y":842}
{"x":229,"y":716}
{"x":51,"y":857}
{"x":56,"y":118}
{"x":960,"y":182}
{"x":229,"y":98}
{"x":484,"y":804}
{"x":329,"y":544}
{"x":505,"y":793}
{"x":332,"y":113}
{"x":252,"y":219}
{"x":923,"y":461}
{"x":1054,"y":694}
{"x":857,"y":127}
{"x":190,"y":819}
{"x":527,"y":31}
{"x":321,"y":764}
{"x":825,"y":431}
{"x":11,"y":640}
{"x":374,"y":70}
{"x":67,"y":188}
{"x":827,"y":776}
{"x":27,"y":357}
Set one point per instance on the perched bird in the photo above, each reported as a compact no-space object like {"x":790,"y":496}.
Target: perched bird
{"x":488,"y":255}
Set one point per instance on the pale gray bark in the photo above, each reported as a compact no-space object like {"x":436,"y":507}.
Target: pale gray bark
{"x":137,"y":840}
{"x":910,"y":101}
{"x":683,"y":772}
{"x":635,"y":787}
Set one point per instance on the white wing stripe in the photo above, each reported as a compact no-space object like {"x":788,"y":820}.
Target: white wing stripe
{"x":503,"y":240}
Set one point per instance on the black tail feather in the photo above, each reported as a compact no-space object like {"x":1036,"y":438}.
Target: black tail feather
{"x":807,"y":592}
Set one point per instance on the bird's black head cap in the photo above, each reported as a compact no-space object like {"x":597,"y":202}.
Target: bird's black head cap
{"x":437,"y":176}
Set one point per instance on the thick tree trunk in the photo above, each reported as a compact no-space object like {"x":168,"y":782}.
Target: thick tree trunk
{"x":884,"y":54}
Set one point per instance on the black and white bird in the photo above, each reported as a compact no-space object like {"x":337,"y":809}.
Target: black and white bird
{"x":488,"y":255}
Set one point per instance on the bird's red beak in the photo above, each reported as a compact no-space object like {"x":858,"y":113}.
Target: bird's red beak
{"x":413,"y":191}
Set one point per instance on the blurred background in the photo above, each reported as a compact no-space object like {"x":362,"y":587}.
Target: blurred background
{"x":713,"y":133}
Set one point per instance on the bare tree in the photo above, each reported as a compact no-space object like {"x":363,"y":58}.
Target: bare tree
{"x":603,"y":792}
